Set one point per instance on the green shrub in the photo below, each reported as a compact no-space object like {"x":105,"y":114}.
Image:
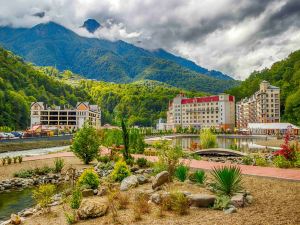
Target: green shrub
{"x":141,"y":162}
{"x":198,"y":177}
{"x":120,"y":171}
{"x":260,"y":161}
{"x":297,"y":160}
{"x":227,"y":179}
{"x":247,"y":160}
{"x":130,"y":161}
{"x":8,"y":160}
{"x":43,"y":194}
{"x":105,"y":159}
{"x":169,"y":156}
{"x":3,"y":160}
{"x":58,"y":165}
{"x":181,"y":172}
{"x":89,"y":178}
{"x":222,"y":202}
{"x":196,"y":157}
{"x":159,"y":167}
{"x":281,"y":162}
{"x":207,"y":139}
{"x":15,"y":159}
{"x":20,"y":158}
{"x":24,"y":173}
{"x":70,"y":218}
{"x":42,"y":171}
{"x":86,"y":143}
{"x":76,"y":198}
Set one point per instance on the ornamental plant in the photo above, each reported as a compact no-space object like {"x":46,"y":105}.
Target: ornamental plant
{"x":181,"y":172}
{"x":287,"y":151}
{"x":120,"y":171}
{"x":43,"y":195}
{"x":207,"y":139}
{"x":89,"y":178}
{"x":198,"y":176}
{"x":227,"y":180}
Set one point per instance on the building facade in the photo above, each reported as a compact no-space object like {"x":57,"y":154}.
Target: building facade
{"x":70,"y":118}
{"x":202,"y":112}
{"x":262,"y":107}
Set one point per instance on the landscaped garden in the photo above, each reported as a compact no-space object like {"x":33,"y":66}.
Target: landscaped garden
{"x":118,"y":188}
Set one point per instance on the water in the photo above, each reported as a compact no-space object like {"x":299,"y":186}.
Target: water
{"x":32,"y":152}
{"x":14,"y":201}
{"x":245,"y":144}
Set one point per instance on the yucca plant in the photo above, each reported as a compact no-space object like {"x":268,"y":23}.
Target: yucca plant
{"x":227,"y":179}
{"x":198,"y":177}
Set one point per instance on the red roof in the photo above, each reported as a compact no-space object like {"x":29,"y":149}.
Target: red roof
{"x":202,"y":99}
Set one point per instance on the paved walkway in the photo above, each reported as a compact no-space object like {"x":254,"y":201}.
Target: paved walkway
{"x":288,"y":174}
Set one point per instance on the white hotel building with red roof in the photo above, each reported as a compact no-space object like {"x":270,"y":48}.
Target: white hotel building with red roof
{"x":202,"y":112}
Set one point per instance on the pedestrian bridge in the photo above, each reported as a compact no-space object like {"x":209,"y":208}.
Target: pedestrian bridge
{"x":220,"y":152}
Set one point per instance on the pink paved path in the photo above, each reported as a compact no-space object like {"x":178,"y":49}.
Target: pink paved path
{"x":288,"y":174}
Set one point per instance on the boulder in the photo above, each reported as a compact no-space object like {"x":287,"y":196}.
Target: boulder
{"x":87,"y":192}
{"x":142,"y":179}
{"x":160,"y":179}
{"x":201,"y":200}
{"x":91,"y":209}
{"x":230,"y":210}
{"x":129,"y":182}
{"x":15,"y":219}
{"x":249,"y":199}
{"x":28,"y":212}
{"x":238,"y":200}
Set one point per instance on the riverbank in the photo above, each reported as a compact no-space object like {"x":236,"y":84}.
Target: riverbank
{"x":27,"y":145}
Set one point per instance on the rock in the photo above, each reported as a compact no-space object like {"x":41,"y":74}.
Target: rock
{"x":91,"y":209}
{"x":102,"y":191}
{"x":28,"y":213}
{"x":95,"y":191}
{"x":249,"y":199}
{"x":148,"y":171}
{"x":129,"y":182}
{"x":15,"y":219}
{"x":140,"y":171}
{"x":87,"y":192}
{"x":238,"y":200}
{"x":142,"y":179}
{"x":201,"y":200}
{"x":134,"y":169}
{"x":155,"y":198}
{"x":230,"y":210}
{"x":67,"y":178}
{"x":160,"y":179}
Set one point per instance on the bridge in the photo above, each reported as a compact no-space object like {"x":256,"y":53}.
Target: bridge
{"x":220,"y":152}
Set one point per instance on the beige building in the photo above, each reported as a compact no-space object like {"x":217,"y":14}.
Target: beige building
{"x":262,"y":107}
{"x":202,"y":112}
{"x":65,"y":117}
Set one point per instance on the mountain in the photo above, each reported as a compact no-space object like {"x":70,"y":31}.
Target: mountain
{"x":21,"y":84}
{"x":51,"y":44}
{"x":284,"y":74}
{"x":91,"y":25}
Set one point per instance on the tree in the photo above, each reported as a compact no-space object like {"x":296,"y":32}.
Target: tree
{"x":86,"y":143}
{"x":207,"y":139}
{"x":125,"y":134}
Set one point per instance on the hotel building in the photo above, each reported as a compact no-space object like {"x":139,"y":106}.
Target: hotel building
{"x":262,"y":107}
{"x":65,"y":117}
{"x":202,"y":112}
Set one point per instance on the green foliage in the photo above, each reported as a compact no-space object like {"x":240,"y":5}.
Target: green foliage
{"x":260,"y":161}
{"x":136,"y":141}
{"x":32,"y":172}
{"x":58,"y":165}
{"x":105,"y":159}
{"x":169,"y":156}
{"x":70,"y":218}
{"x":76,"y":198}
{"x":181,"y":172}
{"x":21,"y":84}
{"x":86,"y":144}
{"x":24,"y":173}
{"x":297,"y":160}
{"x":281,"y":162}
{"x":207,"y":139}
{"x":227,"y":180}
{"x":15,"y":159}
{"x":159,"y":167}
{"x":111,"y":137}
{"x":43,"y":194}
{"x":125,"y":135}
{"x":177,"y":202}
{"x":20,"y":158}
{"x":8,"y":160}
{"x":284,"y":74}
{"x":141,"y":162}
{"x":198,"y":177}
{"x":247,"y":160}
{"x":120,"y":171}
{"x":222,"y":202}
{"x":89,"y":178}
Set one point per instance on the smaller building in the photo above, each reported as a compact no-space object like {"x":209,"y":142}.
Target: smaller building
{"x":272,"y":128}
{"x":161,"y":125}
{"x":65,"y":117}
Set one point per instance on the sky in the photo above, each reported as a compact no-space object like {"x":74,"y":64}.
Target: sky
{"x":233,"y":36}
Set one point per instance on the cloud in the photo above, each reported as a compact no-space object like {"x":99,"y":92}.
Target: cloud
{"x":234,"y":36}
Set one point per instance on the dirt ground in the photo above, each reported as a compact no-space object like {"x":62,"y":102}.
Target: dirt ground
{"x":7,"y":171}
{"x":275,"y":202}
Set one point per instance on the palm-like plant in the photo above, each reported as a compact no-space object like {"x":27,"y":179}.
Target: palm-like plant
{"x":227,"y":179}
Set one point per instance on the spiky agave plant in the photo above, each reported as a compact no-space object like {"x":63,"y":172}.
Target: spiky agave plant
{"x":227,"y":179}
